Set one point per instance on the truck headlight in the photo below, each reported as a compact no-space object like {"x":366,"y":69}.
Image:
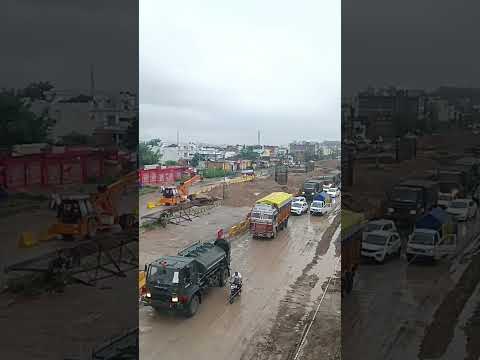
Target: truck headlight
{"x":390,"y":210}
{"x":313,"y":193}
{"x":149,"y":295}
{"x":413,"y":212}
{"x":174,"y":299}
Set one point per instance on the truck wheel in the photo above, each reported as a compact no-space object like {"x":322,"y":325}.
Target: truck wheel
{"x":409,"y":257}
{"x":223,"y":278}
{"x":193,"y":306}
{"x":286,"y":223}
{"x":274,"y":235}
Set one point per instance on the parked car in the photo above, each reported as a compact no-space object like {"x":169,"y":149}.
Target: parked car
{"x":378,"y":245}
{"x":462,"y":209}
{"x":379,"y":225}
{"x":333,"y":192}
{"x":299,"y":207}
{"x":299,"y":198}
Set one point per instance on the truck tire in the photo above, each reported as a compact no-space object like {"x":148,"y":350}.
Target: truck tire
{"x":193,"y":306}
{"x":222,"y":280}
{"x":274,"y":235}
{"x":286,"y":223}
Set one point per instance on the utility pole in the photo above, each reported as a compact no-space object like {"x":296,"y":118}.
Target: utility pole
{"x":258,"y":136}
{"x":178,"y":138}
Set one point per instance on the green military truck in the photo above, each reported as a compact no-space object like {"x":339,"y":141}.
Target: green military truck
{"x":178,"y":283}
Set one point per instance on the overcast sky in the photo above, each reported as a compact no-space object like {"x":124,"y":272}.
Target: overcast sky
{"x":56,"y":41}
{"x":410,"y":44}
{"x":219,"y":71}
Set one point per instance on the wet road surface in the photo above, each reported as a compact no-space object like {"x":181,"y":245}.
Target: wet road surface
{"x":270,"y":268}
{"x":393,"y":306}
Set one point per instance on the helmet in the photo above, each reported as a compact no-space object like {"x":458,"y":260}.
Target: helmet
{"x":236,"y":273}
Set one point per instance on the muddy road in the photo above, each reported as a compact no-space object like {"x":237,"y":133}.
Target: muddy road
{"x":282,"y":280}
{"x":415,"y":311}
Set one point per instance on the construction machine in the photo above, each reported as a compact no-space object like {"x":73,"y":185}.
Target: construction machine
{"x":83,"y":215}
{"x":174,"y":195}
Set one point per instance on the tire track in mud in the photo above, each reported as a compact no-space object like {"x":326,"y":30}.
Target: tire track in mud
{"x":440,"y":332}
{"x":285,"y":334}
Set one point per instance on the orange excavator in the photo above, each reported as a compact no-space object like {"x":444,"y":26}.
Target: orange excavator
{"x":83,"y":215}
{"x":174,"y":195}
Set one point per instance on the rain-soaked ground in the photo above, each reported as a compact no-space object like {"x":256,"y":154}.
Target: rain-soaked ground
{"x":416,"y":311}
{"x":282,"y":280}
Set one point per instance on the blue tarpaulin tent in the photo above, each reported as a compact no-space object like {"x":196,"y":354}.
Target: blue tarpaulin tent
{"x":433,"y":220}
{"x":321,"y":196}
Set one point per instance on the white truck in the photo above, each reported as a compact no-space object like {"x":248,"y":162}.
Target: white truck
{"x":433,"y":237}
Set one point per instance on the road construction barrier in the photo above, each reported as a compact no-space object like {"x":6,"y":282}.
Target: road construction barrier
{"x":30,"y":239}
{"x":239,"y":228}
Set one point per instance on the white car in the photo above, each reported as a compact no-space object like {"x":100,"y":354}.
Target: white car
{"x":299,"y":207}
{"x":319,"y":207}
{"x":378,"y":245}
{"x":333,"y":192}
{"x":299,"y":198}
{"x":379,"y":225}
{"x":326,"y":187}
{"x":462,"y":209}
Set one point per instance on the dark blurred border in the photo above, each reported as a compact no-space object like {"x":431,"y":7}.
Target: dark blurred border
{"x":68,"y":179}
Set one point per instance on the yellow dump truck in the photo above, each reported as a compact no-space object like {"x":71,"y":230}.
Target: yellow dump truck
{"x":270,"y":214}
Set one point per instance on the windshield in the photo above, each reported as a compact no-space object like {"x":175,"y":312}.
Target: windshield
{"x":261,"y":216}
{"x":404,"y":194}
{"x":444,"y":197}
{"x":422,"y":238}
{"x":458,"y":205}
{"x":373,"y":227}
{"x":163,"y":275}
{"x":376,"y":239}
{"x":446,"y":187}
{"x":317,"y":204}
{"x":309,"y":186}
{"x":297,"y":204}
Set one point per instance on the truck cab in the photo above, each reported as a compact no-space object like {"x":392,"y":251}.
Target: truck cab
{"x":430,"y":244}
{"x":412,"y":198}
{"x":380,"y":244}
{"x":310,"y":188}
{"x":177,"y":283}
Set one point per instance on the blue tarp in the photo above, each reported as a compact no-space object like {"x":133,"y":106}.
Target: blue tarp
{"x":433,"y":220}
{"x":321,"y":196}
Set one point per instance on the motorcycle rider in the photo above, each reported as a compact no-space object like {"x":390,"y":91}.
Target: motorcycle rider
{"x":237,"y":280}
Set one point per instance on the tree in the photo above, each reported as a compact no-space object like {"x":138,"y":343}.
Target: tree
{"x":147,"y":156}
{"x":247,"y":153}
{"x":196,"y":159}
{"x":19,"y":125}
{"x":131,"y":139}
{"x":170,"y":163}
{"x":37,"y":90}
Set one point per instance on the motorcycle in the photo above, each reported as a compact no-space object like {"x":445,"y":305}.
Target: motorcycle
{"x":235,"y":290}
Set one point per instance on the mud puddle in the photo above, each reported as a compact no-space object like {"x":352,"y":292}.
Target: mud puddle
{"x":294,"y":308}
{"x":440,"y":332}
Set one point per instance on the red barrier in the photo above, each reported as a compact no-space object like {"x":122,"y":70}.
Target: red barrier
{"x":162,"y":176}
{"x":73,"y":166}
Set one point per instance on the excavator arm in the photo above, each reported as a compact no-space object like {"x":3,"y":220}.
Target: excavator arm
{"x":183,"y":188}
